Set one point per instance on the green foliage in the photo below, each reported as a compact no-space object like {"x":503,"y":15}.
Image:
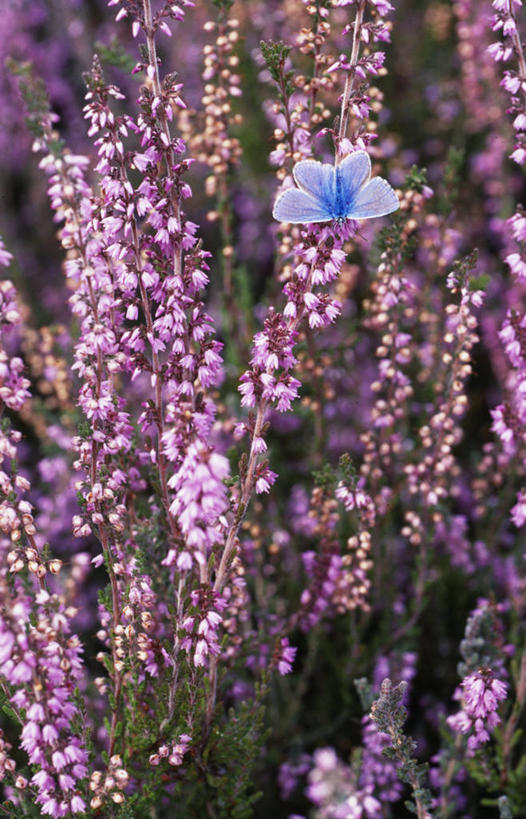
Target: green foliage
{"x":365,"y":692}
{"x":393,"y":240}
{"x":326,"y":478}
{"x":504,"y":808}
{"x":36,"y":100}
{"x":479,"y":647}
{"x":463,"y":267}
{"x":26,"y":808}
{"x":348,"y":469}
{"x":223,"y":5}
{"x":220,"y":784}
{"x":115,"y":55}
{"x":482,"y":768}
{"x":84,"y":429}
{"x":416,"y":179}
{"x":479,"y":282}
{"x":6,"y":707}
{"x":275,"y":54}
{"x":451,"y":181}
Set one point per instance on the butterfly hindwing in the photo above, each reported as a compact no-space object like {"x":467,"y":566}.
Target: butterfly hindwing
{"x":376,"y":198}
{"x":297,"y":207}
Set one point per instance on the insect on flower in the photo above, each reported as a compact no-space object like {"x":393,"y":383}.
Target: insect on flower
{"x":326,"y":192}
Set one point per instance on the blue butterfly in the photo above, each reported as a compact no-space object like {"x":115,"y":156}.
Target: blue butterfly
{"x":326,"y":192}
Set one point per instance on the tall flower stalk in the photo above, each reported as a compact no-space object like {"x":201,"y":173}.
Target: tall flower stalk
{"x":40,"y":655}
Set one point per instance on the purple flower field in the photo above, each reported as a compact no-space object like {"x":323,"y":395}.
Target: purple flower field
{"x":263,"y":409}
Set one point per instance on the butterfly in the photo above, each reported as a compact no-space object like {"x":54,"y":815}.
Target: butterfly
{"x":326,"y":192}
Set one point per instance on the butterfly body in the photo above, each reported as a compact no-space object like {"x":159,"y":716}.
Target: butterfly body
{"x":327,"y":192}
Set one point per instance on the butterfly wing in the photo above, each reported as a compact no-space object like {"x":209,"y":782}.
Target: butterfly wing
{"x":297,"y":207}
{"x":351,"y":174}
{"x":316,"y":179}
{"x":326,"y":192}
{"x":376,"y":198}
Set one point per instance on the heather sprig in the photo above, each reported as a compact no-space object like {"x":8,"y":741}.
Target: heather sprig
{"x":41,"y":657}
{"x":483,"y":688}
{"x":508,"y":416}
{"x":377,"y":770}
{"x":389,"y":715}
{"x":355,"y":102}
{"x":128,"y":276}
{"x":213,"y":141}
{"x":514,"y":82}
{"x":338,"y":578}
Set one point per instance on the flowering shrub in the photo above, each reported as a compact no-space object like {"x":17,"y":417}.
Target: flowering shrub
{"x":262,"y":485}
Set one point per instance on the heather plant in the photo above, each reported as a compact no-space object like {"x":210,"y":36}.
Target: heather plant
{"x":262,"y":484}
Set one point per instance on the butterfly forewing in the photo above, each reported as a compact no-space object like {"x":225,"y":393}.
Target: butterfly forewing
{"x":376,"y":198}
{"x":297,"y":207}
{"x":316,"y":179}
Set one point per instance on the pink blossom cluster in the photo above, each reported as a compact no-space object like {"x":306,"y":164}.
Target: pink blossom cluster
{"x":334,"y":793}
{"x":482,"y":691}
{"x":123,"y":238}
{"x":504,"y":21}
{"x":174,"y":753}
{"x":509,"y":418}
{"x":356,"y":102}
{"x":40,"y":658}
{"x":269,"y":383}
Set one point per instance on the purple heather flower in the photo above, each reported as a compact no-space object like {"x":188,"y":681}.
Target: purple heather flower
{"x":518,"y":512}
{"x":481,"y":695}
{"x":331,"y":789}
{"x":284,"y":656}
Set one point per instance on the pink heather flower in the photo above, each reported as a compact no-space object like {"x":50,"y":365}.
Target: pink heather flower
{"x":509,"y":421}
{"x":179,"y":749}
{"x":518,"y":512}
{"x":5,"y":255}
{"x":377,"y":772}
{"x":500,"y":427}
{"x":519,"y":155}
{"x":517,"y":223}
{"x":341,"y":64}
{"x":285,"y":657}
{"x":59,"y":760}
{"x":290,"y":772}
{"x":204,"y":635}
{"x":502,"y":5}
{"x":50,"y":806}
{"x":519,"y":123}
{"x":499,"y":52}
{"x":355,"y":498}
{"x":7,"y":641}
{"x":482,"y":693}
{"x":77,"y":805}
{"x":332,"y":789}
{"x":199,"y":498}
{"x":265,"y":479}
{"x":383,"y":7}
